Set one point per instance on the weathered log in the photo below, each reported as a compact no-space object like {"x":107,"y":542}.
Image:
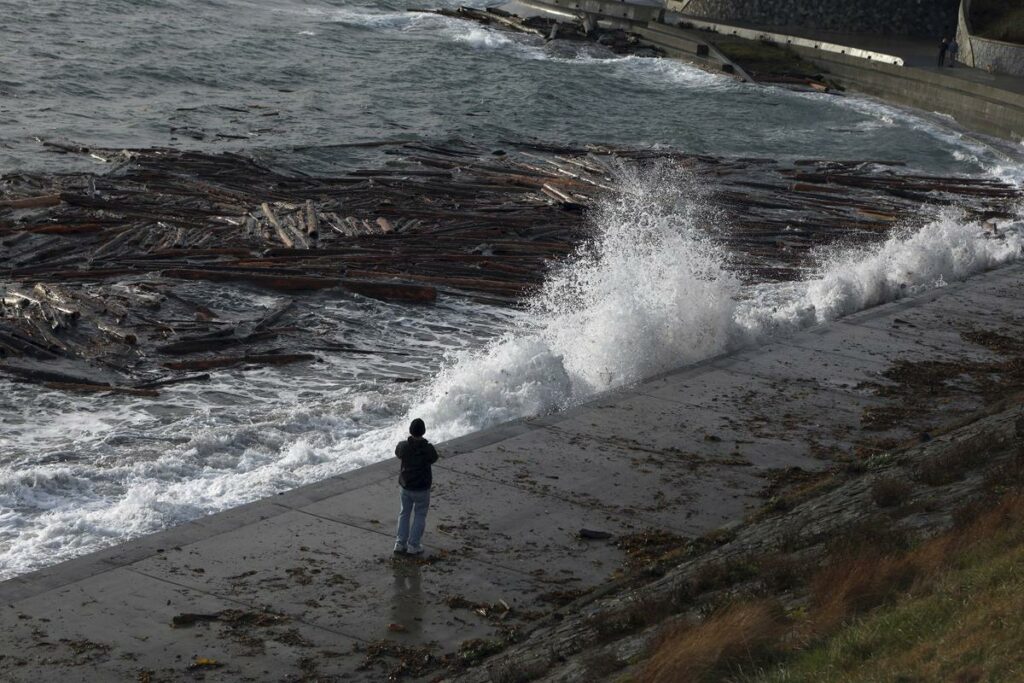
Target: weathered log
{"x":35,"y":374}
{"x":173,"y":380}
{"x":457,"y":282}
{"x":215,"y":343}
{"x":312,"y":223}
{"x":101,"y":388}
{"x":289,"y":283}
{"x":274,"y":315}
{"x":272,"y":217}
{"x":31,"y":202}
{"x":392,"y":291}
{"x":26,"y":346}
{"x":121,"y":335}
{"x":230,"y":361}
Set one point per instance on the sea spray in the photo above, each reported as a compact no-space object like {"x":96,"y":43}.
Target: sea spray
{"x":652,"y":291}
{"x":950,"y":247}
{"x":648,"y":292}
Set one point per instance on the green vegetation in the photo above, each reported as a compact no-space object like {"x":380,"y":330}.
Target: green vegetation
{"x":966,"y":625}
{"x":948,"y":609}
{"x":998,"y":20}
{"x":764,"y":58}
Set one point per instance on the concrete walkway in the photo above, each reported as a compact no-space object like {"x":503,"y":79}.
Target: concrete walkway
{"x":992,"y":104}
{"x":917,"y":53}
{"x":303,"y":586}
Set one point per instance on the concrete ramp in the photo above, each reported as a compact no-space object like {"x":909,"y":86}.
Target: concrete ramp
{"x":691,"y":46}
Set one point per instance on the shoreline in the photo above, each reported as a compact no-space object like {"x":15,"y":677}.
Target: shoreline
{"x":491,"y":532}
{"x":780,"y":213}
{"x":509,"y":573}
{"x":895,"y":70}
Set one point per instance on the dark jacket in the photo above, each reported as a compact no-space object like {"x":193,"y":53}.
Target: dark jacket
{"x":417,"y":455}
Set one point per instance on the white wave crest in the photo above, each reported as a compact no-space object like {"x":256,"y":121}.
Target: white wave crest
{"x":653,"y":292}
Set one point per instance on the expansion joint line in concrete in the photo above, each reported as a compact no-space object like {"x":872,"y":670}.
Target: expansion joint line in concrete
{"x":243,"y":603}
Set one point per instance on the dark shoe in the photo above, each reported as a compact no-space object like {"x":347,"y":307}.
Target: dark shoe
{"x":414,"y":550}
{"x":399,"y":549}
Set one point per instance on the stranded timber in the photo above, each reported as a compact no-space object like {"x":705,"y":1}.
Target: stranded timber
{"x":95,"y":267}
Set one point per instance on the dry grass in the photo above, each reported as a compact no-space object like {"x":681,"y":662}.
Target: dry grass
{"x":780,"y":572}
{"x":852,"y":584}
{"x":602,"y":665}
{"x":890,"y":491}
{"x":718,"y":575}
{"x":961,"y":458}
{"x":962,"y":619}
{"x":1008,"y":476}
{"x":867,"y":568}
{"x":636,"y":613}
{"x":736,"y":635}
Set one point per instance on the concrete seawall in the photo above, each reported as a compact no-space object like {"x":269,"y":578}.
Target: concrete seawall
{"x":303,"y":584}
{"x":987,"y":103}
{"x":986,"y":108}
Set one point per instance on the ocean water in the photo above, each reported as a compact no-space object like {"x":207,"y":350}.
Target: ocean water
{"x":315,"y":86}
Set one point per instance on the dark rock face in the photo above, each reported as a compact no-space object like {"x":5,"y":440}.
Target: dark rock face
{"x":925,"y":18}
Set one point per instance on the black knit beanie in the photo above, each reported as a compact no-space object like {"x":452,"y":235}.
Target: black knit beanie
{"x":417,"y":428}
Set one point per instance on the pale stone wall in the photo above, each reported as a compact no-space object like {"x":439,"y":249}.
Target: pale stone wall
{"x":982,"y":53}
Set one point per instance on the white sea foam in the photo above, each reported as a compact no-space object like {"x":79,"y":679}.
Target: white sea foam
{"x":530,"y":47}
{"x":652,"y":292}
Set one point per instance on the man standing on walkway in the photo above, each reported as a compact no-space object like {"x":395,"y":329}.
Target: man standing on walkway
{"x":954,"y":47}
{"x":417,"y":455}
{"x":943,"y":46}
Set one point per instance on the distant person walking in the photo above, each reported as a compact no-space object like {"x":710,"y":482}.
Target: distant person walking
{"x":954,"y":47}
{"x":943,"y":46}
{"x":417,"y":455}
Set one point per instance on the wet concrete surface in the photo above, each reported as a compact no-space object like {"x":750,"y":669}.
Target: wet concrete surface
{"x":303,"y":586}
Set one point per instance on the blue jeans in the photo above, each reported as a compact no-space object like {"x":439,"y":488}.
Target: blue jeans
{"x":416,"y":504}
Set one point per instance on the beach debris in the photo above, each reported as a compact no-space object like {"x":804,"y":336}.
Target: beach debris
{"x":650,"y":545}
{"x":593,"y":535}
{"x":111,"y":289}
{"x":412,"y":661}
{"x":204,"y":663}
{"x":475,"y":650}
{"x":616,"y":40}
{"x":560,"y":598}
{"x":233,"y":617}
{"x":498,"y":609}
{"x":188,"y":619}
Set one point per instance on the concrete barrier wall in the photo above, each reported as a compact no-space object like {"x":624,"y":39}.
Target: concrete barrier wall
{"x":929,"y":18}
{"x":983,"y":53}
{"x":792,"y":41}
{"x":975,"y":105}
{"x":610,"y":9}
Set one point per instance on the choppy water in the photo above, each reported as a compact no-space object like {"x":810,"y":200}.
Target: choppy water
{"x":299,"y":83}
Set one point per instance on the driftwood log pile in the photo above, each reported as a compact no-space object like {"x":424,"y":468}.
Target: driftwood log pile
{"x":95,"y":270}
{"x":615,"y":40}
